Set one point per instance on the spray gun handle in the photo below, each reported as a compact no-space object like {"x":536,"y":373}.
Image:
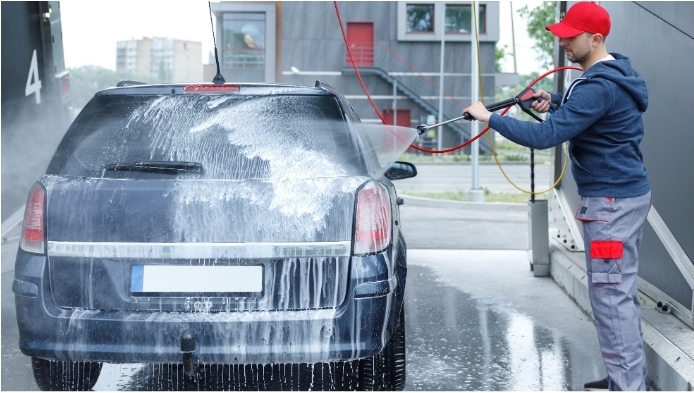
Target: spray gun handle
{"x":526,"y":98}
{"x":552,"y":106}
{"x":493,"y":107}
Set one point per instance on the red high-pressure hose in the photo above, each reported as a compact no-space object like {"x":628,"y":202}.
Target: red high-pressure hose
{"x":373,"y":104}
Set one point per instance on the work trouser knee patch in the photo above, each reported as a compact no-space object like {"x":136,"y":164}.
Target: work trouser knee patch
{"x":606,"y":261}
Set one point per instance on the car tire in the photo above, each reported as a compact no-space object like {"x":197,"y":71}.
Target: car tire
{"x":387,"y":370}
{"x":394,"y":354}
{"x":65,"y":375}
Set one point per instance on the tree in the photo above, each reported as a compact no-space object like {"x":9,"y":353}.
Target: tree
{"x":499,"y":54}
{"x":539,"y":17}
{"x":85,"y":81}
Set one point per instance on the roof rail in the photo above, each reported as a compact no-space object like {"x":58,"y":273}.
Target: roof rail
{"x":127,"y":82}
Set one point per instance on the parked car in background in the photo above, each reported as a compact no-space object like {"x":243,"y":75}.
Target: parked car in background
{"x":243,"y":229}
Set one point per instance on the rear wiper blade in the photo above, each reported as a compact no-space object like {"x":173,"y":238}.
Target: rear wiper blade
{"x":157,"y":166}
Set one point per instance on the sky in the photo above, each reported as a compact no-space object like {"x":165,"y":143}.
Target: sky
{"x":91,"y":29}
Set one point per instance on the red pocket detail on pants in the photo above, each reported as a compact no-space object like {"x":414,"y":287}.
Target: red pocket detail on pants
{"x":606,"y":249}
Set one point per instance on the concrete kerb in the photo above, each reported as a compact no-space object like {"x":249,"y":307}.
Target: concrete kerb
{"x":670,"y":368}
{"x":505,"y":163}
{"x":430,"y":202}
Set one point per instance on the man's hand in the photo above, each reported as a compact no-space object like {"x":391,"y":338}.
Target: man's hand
{"x":541,"y":106}
{"x":478,"y":111}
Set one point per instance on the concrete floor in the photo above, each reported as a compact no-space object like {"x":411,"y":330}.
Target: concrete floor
{"x":484,"y":322}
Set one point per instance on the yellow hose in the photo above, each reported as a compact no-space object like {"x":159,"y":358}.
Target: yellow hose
{"x":489,"y":138}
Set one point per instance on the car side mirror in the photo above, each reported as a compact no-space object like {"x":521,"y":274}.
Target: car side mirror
{"x":401,"y":170}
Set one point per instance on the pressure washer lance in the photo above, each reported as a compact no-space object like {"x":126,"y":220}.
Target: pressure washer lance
{"x":524,"y":100}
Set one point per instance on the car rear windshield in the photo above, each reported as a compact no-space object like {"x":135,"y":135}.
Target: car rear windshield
{"x":232,"y":137}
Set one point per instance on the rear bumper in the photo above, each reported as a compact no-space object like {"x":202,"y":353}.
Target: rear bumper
{"x":357,"y":329}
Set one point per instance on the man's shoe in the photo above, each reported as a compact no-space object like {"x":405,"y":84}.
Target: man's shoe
{"x":596,"y":385}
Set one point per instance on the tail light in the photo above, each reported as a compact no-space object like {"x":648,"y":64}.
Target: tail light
{"x":372,"y":225}
{"x":34,"y":227}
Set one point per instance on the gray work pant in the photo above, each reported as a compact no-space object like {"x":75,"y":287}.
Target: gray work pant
{"x":612,"y":231}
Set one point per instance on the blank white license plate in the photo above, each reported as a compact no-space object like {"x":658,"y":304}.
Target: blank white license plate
{"x":241,"y":280}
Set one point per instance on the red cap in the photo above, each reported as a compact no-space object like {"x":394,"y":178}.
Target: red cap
{"x":582,"y":17}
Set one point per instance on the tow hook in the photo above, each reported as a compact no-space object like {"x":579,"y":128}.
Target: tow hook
{"x":188,"y":351}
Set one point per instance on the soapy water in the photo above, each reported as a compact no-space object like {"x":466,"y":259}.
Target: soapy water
{"x":295,"y":139}
{"x":239,"y":137}
{"x":285,"y":141}
{"x":299,"y":147}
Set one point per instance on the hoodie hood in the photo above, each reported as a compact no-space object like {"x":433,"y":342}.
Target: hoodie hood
{"x":620,"y":72}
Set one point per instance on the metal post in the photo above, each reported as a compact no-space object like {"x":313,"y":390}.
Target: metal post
{"x":538,"y":228}
{"x":395,"y":107}
{"x":395,"y":99}
{"x":513,"y":42}
{"x":439,"y":131}
{"x":532,"y":175}
{"x":474,"y":194}
{"x":538,"y":237}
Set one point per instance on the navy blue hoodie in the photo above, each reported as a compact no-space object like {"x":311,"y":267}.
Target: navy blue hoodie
{"x":600,"y":116}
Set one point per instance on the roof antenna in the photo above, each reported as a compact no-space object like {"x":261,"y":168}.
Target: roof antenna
{"x":218,"y":79}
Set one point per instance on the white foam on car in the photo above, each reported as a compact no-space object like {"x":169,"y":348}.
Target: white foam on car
{"x":301,"y":184}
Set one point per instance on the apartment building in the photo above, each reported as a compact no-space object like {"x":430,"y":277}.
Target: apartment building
{"x":161,"y":59}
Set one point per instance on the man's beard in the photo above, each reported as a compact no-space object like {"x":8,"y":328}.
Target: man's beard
{"x":579,"y":60}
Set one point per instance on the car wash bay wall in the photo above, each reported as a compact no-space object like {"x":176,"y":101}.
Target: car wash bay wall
{"x":658,"y":37}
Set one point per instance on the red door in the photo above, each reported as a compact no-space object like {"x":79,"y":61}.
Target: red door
{"x":402,"y":118}
{"x":360,"y":36}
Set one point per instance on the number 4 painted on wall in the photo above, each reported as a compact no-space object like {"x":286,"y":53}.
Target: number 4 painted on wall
{"x":33,"y":88}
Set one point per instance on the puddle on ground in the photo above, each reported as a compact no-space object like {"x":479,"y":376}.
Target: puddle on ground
{"x":455,"y":342}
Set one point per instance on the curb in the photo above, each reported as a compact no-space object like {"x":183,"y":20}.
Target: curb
{"x":430,"y":202}
{"x":527,"y":163}
{"x":670,"y":368}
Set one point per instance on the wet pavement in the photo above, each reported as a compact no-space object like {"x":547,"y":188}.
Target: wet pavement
{"x":467,"y":329}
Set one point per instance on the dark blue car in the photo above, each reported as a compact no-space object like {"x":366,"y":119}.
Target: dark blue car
{"x":240,"y":227}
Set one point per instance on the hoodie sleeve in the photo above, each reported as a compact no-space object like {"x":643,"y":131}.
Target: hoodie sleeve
{"x":588,"y":102}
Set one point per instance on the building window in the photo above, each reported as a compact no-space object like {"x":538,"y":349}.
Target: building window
{"x":244,"y":40}
{"x":420,"y":18}
{"x":459,"y":19}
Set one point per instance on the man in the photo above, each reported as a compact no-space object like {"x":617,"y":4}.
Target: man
{"x":600,"y":116}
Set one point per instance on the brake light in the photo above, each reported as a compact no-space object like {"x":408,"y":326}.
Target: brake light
{"x":211,"y":89}
{"x":372,"y":226}
{"x":34,"y":227}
